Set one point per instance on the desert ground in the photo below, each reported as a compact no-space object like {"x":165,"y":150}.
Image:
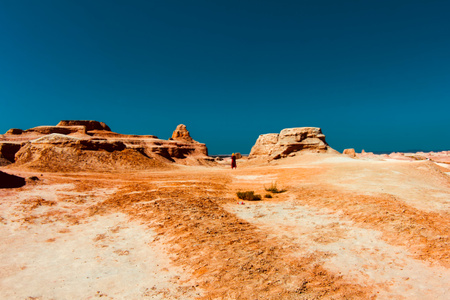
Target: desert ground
{"x":344,"y":229}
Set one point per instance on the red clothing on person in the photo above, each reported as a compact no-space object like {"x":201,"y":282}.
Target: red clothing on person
{"x":233,"y":161}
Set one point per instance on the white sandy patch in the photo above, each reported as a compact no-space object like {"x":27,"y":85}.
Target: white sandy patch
{"x":359,"y":254}
{"x":295,"y":166}
{"x":54,"y":191}
{"x":107,"y":256}
{"x":14,"y":210}
{"x":335,"y":159}
{"x":48,"y":192}
{"x":443,"y":165}
{"x":403,"y":179}
{"x":254,"y":178}
{"x":55,"y":251}
{"x":249,"y":177}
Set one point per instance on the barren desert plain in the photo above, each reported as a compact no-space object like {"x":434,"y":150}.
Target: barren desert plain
{"x":358,"y":226}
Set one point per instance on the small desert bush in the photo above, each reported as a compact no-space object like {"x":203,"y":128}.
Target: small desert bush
{"x":249,"y":195}
{"x":418,"y":157}
{"x":268,"y":196}
{"x":273,"y":188}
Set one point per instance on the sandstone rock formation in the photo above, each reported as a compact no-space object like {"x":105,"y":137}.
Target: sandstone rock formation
{"x":88,"y":124}
{"x":290,"y":140}
{"x":57,"y":129}
{"x":14,"y":131}
{"x":9,"y":150}
{"x":350,"y":152}
{"x":181,"y":133}
{"x":91,"y":145}
{"x":438,"y":157}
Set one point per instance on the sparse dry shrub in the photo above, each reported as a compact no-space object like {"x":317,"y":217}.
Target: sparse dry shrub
{"x":248,"y":195}
{"x":273,"y":189}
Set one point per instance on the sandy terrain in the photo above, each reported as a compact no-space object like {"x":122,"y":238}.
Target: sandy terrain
{"x":344,"y":229}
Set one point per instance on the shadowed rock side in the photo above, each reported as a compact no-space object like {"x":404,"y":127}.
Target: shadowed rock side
{"x":288,"y":141}
{"x":90,"y":145}
{"x":88,"y":124}
{"x":8,"y":152}
{"x":10,"y":181}
{"x":4,"y":161}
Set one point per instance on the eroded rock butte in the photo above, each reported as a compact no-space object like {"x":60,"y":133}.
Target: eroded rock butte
{"x":86,"y":144}
{"x":289,"y":141}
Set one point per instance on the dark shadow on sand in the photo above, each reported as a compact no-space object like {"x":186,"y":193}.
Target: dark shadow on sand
{"x":10,"y":181}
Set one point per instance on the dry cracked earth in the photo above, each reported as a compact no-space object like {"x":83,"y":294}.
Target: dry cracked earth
{"x":343,"y":229}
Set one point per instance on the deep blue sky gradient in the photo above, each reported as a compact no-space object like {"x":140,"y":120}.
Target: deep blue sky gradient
{"x":374,"y":75}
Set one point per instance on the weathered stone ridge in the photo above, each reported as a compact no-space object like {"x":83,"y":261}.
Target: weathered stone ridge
{"x":89,"y":124}
{"x":58,"y":129}
{"x":75,"y":139}
{"x":288,"y":141}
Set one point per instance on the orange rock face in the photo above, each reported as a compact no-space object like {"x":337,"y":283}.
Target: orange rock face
{"x":181,"y":133}
{"x":90,"y":125}
{"x":290,"y":140}
{"x":75,"y":142}
{"x":350,"y":152}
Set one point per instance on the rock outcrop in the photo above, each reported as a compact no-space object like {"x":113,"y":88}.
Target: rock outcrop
{"x":88,"y":124}
{"x":438,"y":157}
{"x":14,"y":131}
{"x":9,"y":150}
{"x":182,"y":134}
{"x":91,"y":145}
{"x":350,"y":152}
{"x":288,"y":141}
{"x":57,"y":129}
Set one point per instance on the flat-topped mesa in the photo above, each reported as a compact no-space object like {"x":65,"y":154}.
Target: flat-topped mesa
{"x":181,"y":133}
{"x":57,"y":129}
{"x":80,"y":127}
{"x":77,"y":145}
{"x":290,"y":140}
{"x":14,"y":131}
{"x":89,"y":124}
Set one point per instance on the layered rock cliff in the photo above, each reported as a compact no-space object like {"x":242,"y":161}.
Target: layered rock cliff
{"x":288,"y":141}
{"x":73,"y":143}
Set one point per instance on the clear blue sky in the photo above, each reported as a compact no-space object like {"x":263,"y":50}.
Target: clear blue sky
{"x":374,"y":75}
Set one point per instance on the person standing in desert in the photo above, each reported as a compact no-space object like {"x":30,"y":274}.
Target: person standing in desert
{"x":233,"y":161}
